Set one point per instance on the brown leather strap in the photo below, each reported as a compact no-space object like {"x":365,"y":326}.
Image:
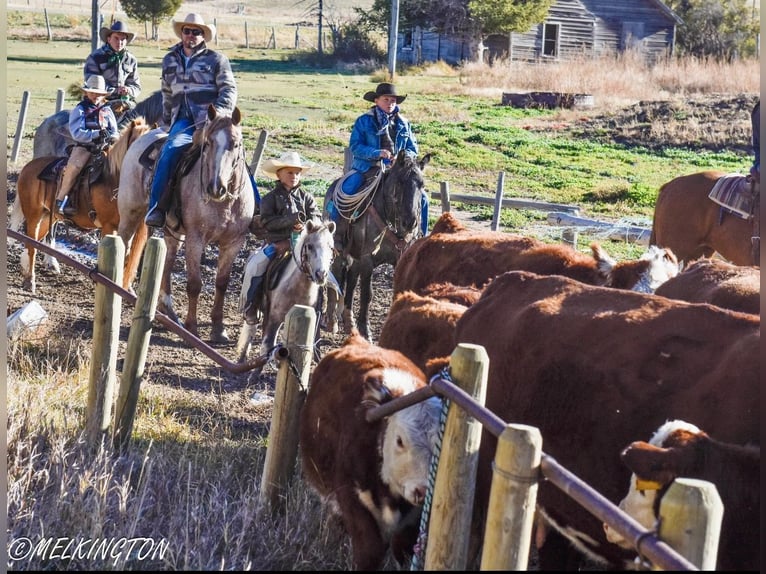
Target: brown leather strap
{"x":399,"y":243}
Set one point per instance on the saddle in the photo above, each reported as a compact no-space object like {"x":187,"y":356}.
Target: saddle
{"x":735,"y":193}
{"x":81,"y":190}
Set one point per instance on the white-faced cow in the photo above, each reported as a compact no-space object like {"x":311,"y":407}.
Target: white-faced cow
{"x":454,"y":254}
{"x":680,"y":449}
{"x":374,"y":474}
{"x":717,"y":282}
{"x":593,"y":368}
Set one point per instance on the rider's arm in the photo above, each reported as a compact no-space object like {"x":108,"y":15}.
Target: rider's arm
{"x":77,"y":128}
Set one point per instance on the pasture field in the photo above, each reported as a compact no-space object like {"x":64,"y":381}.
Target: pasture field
{"x":192,"y":474}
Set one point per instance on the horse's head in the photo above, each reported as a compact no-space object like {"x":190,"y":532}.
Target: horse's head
{"x":314,"y":249}
{"x":222,"y":169}
{"x":402,"y":187}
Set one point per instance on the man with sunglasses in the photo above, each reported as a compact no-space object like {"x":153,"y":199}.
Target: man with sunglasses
{"x":193,"y":77}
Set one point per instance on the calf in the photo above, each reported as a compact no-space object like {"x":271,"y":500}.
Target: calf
{"x":717,"y":282}
{"x":680,"y":449}
{"x":593,"y":368}
{"x":459,"y":256}
{"x":374,"y":474}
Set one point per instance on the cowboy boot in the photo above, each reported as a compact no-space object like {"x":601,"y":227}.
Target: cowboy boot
{"x":68,"y":178}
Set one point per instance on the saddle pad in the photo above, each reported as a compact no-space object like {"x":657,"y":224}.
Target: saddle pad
{"x":276,"y":268}
{"x":733,"y":192}
{"x":51,"y":171}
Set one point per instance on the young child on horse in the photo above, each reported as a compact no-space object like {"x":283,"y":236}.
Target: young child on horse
{"x":376,"y":138}
{"x":283,"y":211}
{"x":93,"y":127}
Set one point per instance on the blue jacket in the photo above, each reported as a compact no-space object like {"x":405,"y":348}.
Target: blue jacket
{"x":86,"y":120}
{"x":365,"y":141}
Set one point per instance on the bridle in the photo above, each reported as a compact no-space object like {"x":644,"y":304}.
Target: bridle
{"x":302,"y":264}
{"x":237,"y":172}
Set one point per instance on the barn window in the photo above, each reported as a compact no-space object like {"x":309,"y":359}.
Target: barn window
{"x":407,"y":43}
{"x":551,"y":40}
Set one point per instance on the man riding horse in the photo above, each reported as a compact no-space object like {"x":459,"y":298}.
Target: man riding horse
{"x":377,"y":137}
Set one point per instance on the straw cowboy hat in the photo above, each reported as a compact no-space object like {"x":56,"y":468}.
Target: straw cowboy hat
{"x":95,"y":85}
{"x":287,"y":159}
{"x":194,"y":20}
{"x":384,"y":89}
{"x":119,"y":27}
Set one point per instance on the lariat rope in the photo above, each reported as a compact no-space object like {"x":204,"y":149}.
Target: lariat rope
{"x":350,"y":205}
{"x":419,"y":553}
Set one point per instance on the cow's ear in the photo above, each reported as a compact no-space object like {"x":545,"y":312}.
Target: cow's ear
{"x":375,"y":393}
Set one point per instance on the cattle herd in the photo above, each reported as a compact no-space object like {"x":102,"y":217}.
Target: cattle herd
{"x":597,"y":354}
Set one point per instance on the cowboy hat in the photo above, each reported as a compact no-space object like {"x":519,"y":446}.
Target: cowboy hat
{"x":195,"y":20}
{"x":119,"y":27}
{"x":384,"y":89}
{"x":287,"y":159}
{"x":95,"y":85}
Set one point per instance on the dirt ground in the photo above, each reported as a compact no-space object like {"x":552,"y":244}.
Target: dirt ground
{"x":68,"y":298}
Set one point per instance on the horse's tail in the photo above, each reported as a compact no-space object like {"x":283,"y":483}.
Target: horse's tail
{"x":17,"y":218}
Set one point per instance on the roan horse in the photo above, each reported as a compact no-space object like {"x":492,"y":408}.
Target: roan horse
{"x":96,"y":204}
{"x":216,"y":206}
{"x":694,"y":226}
{"x":52,"y":135}
{"x":389,"y":222}
{"x":306,"y":269}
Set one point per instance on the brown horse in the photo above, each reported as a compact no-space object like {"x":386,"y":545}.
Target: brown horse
{"x":35,"y":198}
{"x":694,"y":226}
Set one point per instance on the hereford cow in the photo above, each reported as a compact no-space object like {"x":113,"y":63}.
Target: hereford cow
{"x":374,"y":474}
{"x":593,"y":368}
{"x":718,"y":282}
{"x":454,"y":254}
{"x":421,"y":328}
{"x":679,"y":449}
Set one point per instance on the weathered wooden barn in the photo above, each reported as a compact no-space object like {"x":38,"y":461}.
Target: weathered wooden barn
{"x":572,"y":29}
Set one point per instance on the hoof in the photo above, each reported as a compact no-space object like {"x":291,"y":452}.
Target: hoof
{"x":220,"y":336}
{"x":348,"y":320}
{"x":29,"y":285}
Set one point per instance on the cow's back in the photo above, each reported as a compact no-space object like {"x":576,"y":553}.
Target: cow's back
{"x":593,"y":367}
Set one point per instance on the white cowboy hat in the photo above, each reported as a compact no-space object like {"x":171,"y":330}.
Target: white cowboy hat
{"x":195,"y":20}
{"x":119,"y":28}
{"x":287,"y":159}
{"x":95,"y":85}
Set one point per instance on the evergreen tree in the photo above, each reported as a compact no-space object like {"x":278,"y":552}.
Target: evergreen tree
{"x":151,"y":11}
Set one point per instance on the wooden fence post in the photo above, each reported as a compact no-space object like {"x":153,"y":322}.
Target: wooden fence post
{"x":512,"y":499}
{"x":258,"y":153}
{"x":690,"y":520}
{"x":498,"y":201}
{"x":20,"y":126}
{"x":215,"y":24}
{"x":106,"y":334}
{"x":449,"y":528}
{"x":47,"y":25}
{"x":59,"y":100}
{"x":444,"y":192}
{"x":348,"y":159}
{"x":138,"y":341}
{"x":288,"y":399}
{"x":569,"y":236}
{"x":247,"y":40}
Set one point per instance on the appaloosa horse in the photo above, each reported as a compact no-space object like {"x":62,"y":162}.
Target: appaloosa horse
{"x":694,"y":226}
{"x":380,"y":227}
{"x":95,"y":201}
{"x":306,"y":268}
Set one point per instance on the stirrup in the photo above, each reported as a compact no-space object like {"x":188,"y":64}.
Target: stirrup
{"x":155,"y":217}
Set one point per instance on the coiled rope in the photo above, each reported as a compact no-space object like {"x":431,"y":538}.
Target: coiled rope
{"x":419,"y":553}
{"x":352,"y":206}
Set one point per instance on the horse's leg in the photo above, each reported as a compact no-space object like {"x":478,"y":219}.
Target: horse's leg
{"x":165,"y":302}
{"x":365,"y":296}
{"x":244,"y":342}
{"x":352,"y":278}
{"x":222,"y":278}
{"x":332,"y":311}
{"x":194,"y":248}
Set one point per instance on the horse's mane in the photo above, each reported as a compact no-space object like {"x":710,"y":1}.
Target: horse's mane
{"x":150,"y":109}
{"x":128,"y":135}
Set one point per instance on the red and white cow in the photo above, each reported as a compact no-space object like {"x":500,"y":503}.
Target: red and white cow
{"x":717,"y":282}
{"x":373,"y":474}
{"x":680,"y":449}
{"x":454,"y":254}
{"x":593,"y":368}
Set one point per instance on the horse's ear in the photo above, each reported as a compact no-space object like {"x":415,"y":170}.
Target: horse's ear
{"x":331,"y":227}
{"x":236,"y":116}
{"x":424,"y":161}
{"x":211,"y":112}
{"x":400,"y":156}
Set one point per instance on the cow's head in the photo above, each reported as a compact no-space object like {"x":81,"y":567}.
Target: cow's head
{"x":409,"y":436}
{"x":651,"y":476}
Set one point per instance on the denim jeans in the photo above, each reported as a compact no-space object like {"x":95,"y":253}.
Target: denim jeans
{"x":180,"y":135}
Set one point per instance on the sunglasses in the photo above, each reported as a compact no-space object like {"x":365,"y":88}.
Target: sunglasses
{"x":192,"y":31}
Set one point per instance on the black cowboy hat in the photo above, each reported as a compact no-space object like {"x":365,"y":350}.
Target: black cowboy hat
{"x":384,"y":89}
{"x":118,"y":26}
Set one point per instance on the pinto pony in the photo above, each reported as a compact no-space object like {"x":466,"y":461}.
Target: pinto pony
{"x":34,"y":203}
